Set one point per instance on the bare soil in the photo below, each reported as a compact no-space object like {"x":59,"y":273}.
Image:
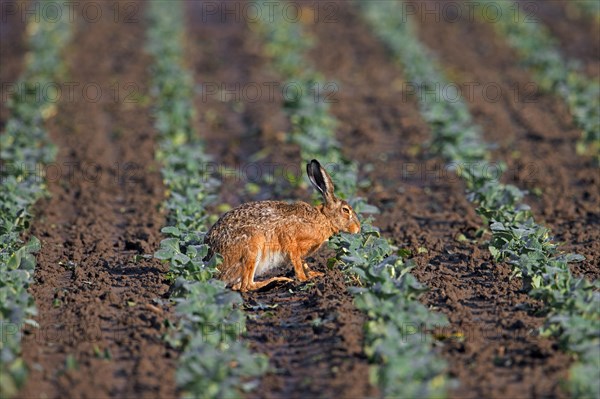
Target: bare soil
{"x":100,"y":327}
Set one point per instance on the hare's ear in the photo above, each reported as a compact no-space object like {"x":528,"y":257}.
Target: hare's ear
{"x":321,"y":180}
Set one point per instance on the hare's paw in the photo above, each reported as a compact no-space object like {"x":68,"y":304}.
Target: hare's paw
{"x":310,"y":273}
{"x":299,"y":268}
{"x":313,"y":274}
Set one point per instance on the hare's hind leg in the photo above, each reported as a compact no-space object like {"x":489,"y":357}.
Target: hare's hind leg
{"x":248,"y":283}
{"x":251,"y":258}
{"x":256,"y":285}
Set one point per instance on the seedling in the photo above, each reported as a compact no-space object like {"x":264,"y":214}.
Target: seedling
{"x":71,"y":363}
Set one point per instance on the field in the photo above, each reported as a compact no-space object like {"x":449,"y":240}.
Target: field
{"x":466,"y":135}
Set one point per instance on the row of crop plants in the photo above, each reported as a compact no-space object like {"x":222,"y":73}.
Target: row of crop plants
{"x":24,"y":148}
{"x":571,"y":303}
{"x":590,"y":8}
{"x":403,"y":361}
{"x":209,"y":325}
{"x":553,"y":72}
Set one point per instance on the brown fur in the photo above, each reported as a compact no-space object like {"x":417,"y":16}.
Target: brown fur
{"x":251,"y":234}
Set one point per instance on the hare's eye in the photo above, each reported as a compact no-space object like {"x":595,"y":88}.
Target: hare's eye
{"x":346,"y":209}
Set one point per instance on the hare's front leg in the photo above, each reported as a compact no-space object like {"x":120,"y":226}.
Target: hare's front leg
{"x":298,"y":267}
{"x":302,"y":271}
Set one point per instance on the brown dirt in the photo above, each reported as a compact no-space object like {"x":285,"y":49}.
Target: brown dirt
{"x":423,"y":205}
{"x":91,"y":294}
{"x":578,"y":34}
{"x":535,"y":134}
{"x":312,"y":333}
{"x":12,"y":52}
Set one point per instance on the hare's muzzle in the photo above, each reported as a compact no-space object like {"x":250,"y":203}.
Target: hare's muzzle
{"x":354,"y":227}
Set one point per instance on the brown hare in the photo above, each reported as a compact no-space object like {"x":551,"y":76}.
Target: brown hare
{"x":257,"y":237}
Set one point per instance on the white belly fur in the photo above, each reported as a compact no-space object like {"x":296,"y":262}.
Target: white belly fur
{"x":269,"y":261}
